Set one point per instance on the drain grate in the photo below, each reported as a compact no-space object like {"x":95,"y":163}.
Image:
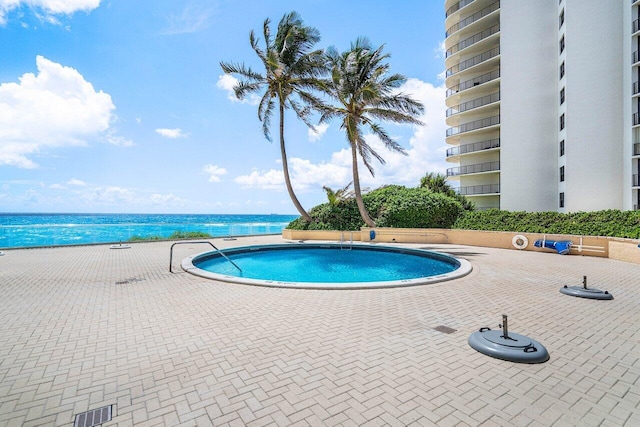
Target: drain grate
{"x":94,"y":417}
{"x":129,"y":280}
{"x":444,"y":329}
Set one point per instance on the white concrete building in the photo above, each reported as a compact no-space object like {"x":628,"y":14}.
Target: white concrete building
{"x":543,"y":102}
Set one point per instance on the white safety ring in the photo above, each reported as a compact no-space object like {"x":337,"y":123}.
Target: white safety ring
{"x":519,"y":241}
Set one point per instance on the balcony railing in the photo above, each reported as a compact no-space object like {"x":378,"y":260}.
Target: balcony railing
{"x":474,"y":125}
{"x":476,"y":81}
{"x":477,"y":168}
{"x":475,"y":103}
{"x":456,"y":7}
{"x":476,"y":146}
{"x":472,"y":40}
{"x":479,"y":189}
{"x":635,"y":26}
{"x":635,"y":119}
{"x":473,"y":18}
{"x":636,"y":180}
{"x":484,"y":56}
{"x":636,"y":149}
{"x":635,"y":88}
{"x":635,"y":57}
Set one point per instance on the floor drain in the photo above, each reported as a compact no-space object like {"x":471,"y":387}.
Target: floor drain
{"x":94,"y":417}
{"x":444,"y":329}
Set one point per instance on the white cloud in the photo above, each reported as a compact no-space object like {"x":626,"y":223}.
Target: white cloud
{"x":215,"y":172}
{"x":317,"y":133}
{"x":426,"y":153}
{"x":227,"y":82}
{"x":47,"y":9}
{"x":55,"y":108}
{"x":166,"y":200}
{"x":191,"y":19}
{"x":171,"y":133}
{"x":77,"y":182}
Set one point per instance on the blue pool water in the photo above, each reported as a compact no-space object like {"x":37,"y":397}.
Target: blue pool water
{"x":29,"y":230}
{"x":327,"y":263}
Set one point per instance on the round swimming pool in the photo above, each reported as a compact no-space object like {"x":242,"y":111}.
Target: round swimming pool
{"x":326,"y":266}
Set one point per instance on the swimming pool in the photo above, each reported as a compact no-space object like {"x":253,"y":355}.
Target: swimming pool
{"x":327,"y":266}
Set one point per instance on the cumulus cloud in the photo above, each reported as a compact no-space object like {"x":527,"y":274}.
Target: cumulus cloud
{"x":215,"y":172}
{"x":55,"y":108}
{"x":171,"y":133}
{"x":77,"y":182}
{"x":426,"y":153}
{"x":317,"y":133}
{"x":227,"y":82}
{"x":47,"y":10}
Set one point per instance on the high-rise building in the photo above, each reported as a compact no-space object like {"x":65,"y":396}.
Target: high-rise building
{"x":543,"y":102}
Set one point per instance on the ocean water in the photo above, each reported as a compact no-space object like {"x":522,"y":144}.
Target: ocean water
{"x":30,"y":230}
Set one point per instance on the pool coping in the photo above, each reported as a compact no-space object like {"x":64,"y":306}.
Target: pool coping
{"x":464,"y":269}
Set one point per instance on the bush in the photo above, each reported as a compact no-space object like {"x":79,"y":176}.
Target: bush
{"x":176,"y":235}
{"x":390,"y":206}
{"x":612,"y":223}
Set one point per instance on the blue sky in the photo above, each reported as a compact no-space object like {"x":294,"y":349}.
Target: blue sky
{"x":121,"y":106}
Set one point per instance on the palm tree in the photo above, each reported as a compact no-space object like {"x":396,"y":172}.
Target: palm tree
{"x":364,"y":93}
{"x":437,"y":183}
{"x":291,"y":71}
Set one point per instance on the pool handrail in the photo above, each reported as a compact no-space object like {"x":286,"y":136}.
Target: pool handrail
{"x":201,"y":241}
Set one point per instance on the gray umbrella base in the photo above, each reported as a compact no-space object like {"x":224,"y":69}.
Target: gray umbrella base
{"x":517,"y":348}
{"x":591,"y":293}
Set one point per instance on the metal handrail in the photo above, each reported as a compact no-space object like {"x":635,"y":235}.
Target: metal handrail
{"x":342,"y":240}
{"x":205,"y":242}
{"x":473,"y":18}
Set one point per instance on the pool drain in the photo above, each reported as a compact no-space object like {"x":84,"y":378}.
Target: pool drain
{"x":507,"y":345}
{"x":584,"y":292}
{"x":94,"y":417}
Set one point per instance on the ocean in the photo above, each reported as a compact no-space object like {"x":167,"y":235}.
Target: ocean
{"x":31,"y":230}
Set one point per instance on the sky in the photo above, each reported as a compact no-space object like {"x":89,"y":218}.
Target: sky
{"x":120,"y":106}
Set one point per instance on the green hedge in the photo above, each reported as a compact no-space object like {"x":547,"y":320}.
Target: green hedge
{"x":390,"y":206}
{"x":611,"y":223}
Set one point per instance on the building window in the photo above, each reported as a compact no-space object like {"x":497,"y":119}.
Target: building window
{"x":561,"y":174}
{"x":562,"y":200}
{"x":562,"y":148}
{"x":561,"y":18}
{"x":562,"y":122}
{"x":562,"y":70}
{"x":562,"y":96}
{"x":562,"y":44}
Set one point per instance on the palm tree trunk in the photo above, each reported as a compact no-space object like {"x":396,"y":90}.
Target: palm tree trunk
{"x":285,"y":169}
{"x":356,"y":189}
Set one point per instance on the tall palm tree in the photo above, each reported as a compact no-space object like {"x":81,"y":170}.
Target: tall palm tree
{"x":364,"y":93}
{"x":291,"y":72}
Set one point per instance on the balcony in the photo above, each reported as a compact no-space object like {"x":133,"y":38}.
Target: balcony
{"x":476,"y":146}
{"x":636,"y":180}
{"x":636,"y":149}
{"x":484,"y":56}
{"x":473,"y":18}
{"x":635,"y":119}
{"x":635,"y":89}
{"x":474,"y":125}
{"x":477,"y":168}
{"x":472,"y":40}
{"x":456,"y":7}
{"x":475,"y":103}
{"x":635,"y":26}
{"x":474,"y":190}
{"x":635,"y":57}
{"x":477,"y":81}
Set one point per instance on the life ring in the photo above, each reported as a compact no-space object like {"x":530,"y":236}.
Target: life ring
{"x":519,"y":241}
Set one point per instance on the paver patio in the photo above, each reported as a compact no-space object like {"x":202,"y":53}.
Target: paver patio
{"x":85,"y":327}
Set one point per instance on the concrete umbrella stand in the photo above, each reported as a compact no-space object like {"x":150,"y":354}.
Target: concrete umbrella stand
{"x":584,"y":292}
{"x":507,"y":345}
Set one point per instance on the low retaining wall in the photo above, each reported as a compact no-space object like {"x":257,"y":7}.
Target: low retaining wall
{"x":606,"y":247}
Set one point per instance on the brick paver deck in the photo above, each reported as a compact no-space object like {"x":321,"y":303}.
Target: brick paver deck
{"x":84,"y":327}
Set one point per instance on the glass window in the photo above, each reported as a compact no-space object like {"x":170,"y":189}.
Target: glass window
{"x":562,"y":200}
{"x":562,"y":44}
{"x":562,"y":70}
{"x":561,"y":18}
{"x":562,"y":96}
{"x":562,"y":122}
{"x":562,"y":148}
{"x":561,"y":173}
